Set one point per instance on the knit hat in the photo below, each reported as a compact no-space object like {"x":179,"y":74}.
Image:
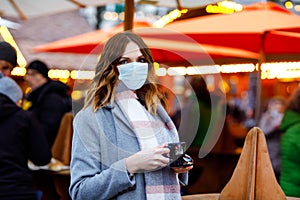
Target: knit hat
{"x":10,"y":88}
{"x":8,"y":53}
{"x":40,"y":67}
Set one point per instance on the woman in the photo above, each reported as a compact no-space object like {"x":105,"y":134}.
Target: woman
{"x":290,"y":147}
{"x":119,"y":143}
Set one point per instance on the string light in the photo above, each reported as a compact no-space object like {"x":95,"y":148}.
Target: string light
{"x":6,"y":35}
{"x":225,"y":7}
{"x":171,"y":16}
{"x":279,"y":70}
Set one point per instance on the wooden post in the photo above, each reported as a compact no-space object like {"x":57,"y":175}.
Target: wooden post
{"x":262,"y":60}
{"x":179,"y":7}
{"x":18,"y":9}
{"x":129,"y":14}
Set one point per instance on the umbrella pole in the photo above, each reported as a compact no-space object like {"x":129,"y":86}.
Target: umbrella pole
{"x":129,"y":13}
{"x":179,"y":7}
{"x":262,"y":59}
{"x":258,"y":94}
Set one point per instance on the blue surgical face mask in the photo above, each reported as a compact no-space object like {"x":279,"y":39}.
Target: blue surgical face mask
{"x":133,"y":74}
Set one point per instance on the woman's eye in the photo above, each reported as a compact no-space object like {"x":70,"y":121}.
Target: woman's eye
{"x":122,"y":62}
{"x":142,"y":60}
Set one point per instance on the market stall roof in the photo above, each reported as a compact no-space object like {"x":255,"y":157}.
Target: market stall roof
{"x":37,"y":31}
{"x":25,"y":9}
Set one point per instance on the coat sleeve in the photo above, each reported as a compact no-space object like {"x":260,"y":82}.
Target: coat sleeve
{"x":91,"y":178}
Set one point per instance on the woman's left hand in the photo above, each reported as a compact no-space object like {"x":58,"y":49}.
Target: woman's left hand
{"x":182,"y":169}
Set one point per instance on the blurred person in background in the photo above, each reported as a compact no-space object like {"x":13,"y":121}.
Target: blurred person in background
{"x":290,"y":147}
{"x":21,"y":139}
{"x":8,"y":58}
{"x":269,"y":124}
{"x":48,"y":99}
{"x":198,"y":103}
{"x":191,"y":128}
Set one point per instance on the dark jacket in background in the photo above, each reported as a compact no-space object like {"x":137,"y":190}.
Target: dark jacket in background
{"x":21,"y":139}
{"x":49,"y":103}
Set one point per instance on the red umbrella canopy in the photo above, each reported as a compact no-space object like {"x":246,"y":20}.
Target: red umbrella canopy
{"x":288,"y":40}
{"x":238,"y":37}
{"x":241,"y":30}
{"x":86,"y":43}
{"x":179,"y":50}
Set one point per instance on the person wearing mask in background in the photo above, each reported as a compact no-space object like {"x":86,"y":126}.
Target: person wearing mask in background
{"x":290,"y":147}
{"x":21,"y":139}
{"x":119,"y":142}
{"x":269,"y":124}
{"x":8,"y":58}
{"x":48,"y":99}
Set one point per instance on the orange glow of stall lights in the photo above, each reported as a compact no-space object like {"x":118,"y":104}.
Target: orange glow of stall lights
{"x":212,"y":69}
{"x":224,"y":86}
{"x":288,"y":4}
{"x":6,"y":35}
{"x":225,"y":7}
{"x":18,"y":71}
{"x":176,"y":71}
{"x":76,"y":94}
{"x":113,"y":16}
{"x":84,"y":74}
{"x":297,"y":8}
{"x":161,"y":71}
{"x":171,"y":16}
{"x":64,"y":80}
{"x":156,"y":65}
{"x":122,"y":16}
{"x":60,"y":74}
{"x":237,"y":68}
{"x":282,"y":75}
{"x":281,"y":70}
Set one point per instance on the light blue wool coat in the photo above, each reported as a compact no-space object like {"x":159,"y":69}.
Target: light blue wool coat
{"x":101,"y":142}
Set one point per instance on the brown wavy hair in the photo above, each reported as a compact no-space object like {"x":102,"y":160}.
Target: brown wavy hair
{"x":104,"y":84}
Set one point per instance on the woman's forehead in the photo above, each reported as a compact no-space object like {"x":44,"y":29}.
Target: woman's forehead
{"x":132,"y":50}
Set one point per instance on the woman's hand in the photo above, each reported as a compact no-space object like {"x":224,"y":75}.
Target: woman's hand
{"x":148,"y":160}
{"x":182,"y":169}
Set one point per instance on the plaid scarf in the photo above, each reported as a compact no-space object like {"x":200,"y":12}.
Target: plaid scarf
{"x":152,"y":131}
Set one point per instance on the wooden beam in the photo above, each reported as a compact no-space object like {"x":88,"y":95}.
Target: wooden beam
{"x":179,"y":7}
{"x":18,"y":9}
{"x":129,"y":15}
{"x":78,"y":3}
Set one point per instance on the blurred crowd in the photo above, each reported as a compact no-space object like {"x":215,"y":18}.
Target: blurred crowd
{"x":279,"y":120}
{"x":29,"y":123}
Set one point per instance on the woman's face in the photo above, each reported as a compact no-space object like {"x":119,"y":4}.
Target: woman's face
{"x":132,"y":53}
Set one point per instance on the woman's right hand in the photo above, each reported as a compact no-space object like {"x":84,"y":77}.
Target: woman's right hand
{"x":148,"y":160}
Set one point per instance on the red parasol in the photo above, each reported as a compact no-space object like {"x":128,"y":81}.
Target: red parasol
{"x":164,"y":50}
